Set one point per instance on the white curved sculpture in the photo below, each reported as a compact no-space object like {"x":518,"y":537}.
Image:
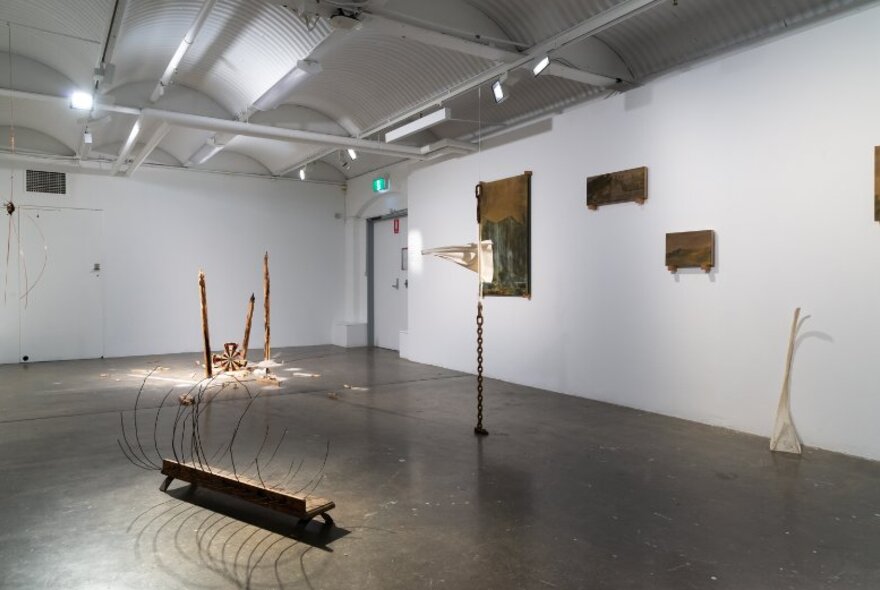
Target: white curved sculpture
{"x":785,"y":437}
{"x":466,"y":256}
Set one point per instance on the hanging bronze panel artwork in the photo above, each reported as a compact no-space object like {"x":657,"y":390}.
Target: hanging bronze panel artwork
{"x":877,"y":183}
{"x":617,"y":187}
{"x":690,"y":249}
{"x":504,"y":215}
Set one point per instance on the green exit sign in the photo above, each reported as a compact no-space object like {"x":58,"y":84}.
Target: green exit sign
{"x":380,"y":184}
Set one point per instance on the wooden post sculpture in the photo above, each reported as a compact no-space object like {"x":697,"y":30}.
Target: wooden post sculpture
{"x":785,"y":438}
{"x":247,"y":327}
{"x":267,"y":350}
{"x":204,"y":301}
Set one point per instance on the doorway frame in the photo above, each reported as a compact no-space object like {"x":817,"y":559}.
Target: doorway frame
{"x":371,"y":283}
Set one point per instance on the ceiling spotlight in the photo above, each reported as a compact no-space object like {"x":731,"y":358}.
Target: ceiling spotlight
{"x":352,"y":154}
{"x":541,"y":65}
{"x":498,"y":91}
{"x":302,"y":173}
{"x":81,"y":100}
{"x":87,"y":136}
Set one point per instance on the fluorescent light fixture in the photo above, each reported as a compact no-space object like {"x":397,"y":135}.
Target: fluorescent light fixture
{"x":420,"y":124}
{"x":498,"y":92}
{"x":81,"y":100}
{"x":87,"y":136}
{"x":541,"y":65}
{"x":282,"y":89}
{"x":302,"y":173}
{"x":352,"y":154}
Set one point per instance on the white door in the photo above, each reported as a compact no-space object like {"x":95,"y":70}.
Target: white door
{"x":390,"y":283}
{"x":60,"y":292}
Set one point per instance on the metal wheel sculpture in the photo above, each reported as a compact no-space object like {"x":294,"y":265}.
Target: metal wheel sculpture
{"x":231,"y":359}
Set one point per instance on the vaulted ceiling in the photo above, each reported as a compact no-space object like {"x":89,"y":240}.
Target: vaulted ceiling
{"x":273,"y":87}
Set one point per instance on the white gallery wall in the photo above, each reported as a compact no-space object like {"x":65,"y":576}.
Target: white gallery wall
{"x":773,"y":149}
{"x":160,"y":227}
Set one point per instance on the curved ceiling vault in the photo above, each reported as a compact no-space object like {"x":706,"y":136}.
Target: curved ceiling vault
{"x":376,"y":64}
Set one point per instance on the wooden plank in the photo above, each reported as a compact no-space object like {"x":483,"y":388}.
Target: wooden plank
{"x":617,"y":187}
{"x":877,"y":183}
{"x":203,"y":298}
{"x":248,"y":489}
{"x":690,"y":249}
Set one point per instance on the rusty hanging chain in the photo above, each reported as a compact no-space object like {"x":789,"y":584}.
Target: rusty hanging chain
{"x":478,"y":429}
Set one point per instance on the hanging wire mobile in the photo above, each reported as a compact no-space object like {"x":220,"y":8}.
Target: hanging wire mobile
{"x":13,"y":233}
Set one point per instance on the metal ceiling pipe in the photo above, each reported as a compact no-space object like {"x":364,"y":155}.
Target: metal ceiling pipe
{"x":184,"y":46}
{"x":282,"y":134}
{"x":235,"y":127}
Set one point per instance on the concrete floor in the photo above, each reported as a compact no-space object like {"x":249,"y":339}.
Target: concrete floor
{"x":564,"y":493}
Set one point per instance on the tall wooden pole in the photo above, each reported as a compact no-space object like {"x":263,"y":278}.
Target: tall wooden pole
{"x":267,"y":350}
{"x":204,"y":300}
{"x":247,"y":328}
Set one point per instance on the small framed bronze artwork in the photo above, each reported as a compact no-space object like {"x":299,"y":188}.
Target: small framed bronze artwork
{"x":690,"y":249}
{"x":617,"y":187}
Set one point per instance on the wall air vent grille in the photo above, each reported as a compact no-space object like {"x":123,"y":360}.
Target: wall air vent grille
{"x":42,"y":181}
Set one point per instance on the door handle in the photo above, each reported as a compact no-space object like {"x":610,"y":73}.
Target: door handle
{"x":396,"y":284}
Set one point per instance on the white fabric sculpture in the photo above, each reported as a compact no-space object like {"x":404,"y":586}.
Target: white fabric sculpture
{"x":785,"y":437}
{"x":466,"y":256}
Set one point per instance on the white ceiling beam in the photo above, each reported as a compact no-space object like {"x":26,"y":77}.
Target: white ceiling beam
{"x":235,"y":127}
{"x":388,"y":26}
{"x":157,"y":136}
{"x":282,"y":85}
{"x":582,"y":76}
{"x":395,"y":28}
{"x":279,"y":133}
{"x":184,"y":46}
{"x":129,"y":143}
{"x":164,"y":81}
{"x":592,"y":26}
